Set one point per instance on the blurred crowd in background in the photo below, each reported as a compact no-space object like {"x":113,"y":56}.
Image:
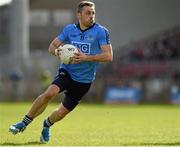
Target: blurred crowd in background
{"x":164,"y":47}
{"x":150,"y":64}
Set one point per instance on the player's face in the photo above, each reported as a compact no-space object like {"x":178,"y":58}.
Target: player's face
{"x":87,"y":16}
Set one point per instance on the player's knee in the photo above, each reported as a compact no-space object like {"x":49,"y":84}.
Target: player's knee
{"x":48,"y":95}
{"x":62,"y":112}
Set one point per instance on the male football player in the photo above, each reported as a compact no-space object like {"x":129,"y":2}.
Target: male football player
{"x":93,"y":41}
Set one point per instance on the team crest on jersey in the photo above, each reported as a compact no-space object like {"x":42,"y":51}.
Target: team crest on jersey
{"x":90,"y":38}
{"x":84,"y":47}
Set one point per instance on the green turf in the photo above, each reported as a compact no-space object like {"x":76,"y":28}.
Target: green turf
{"x":91,"y":125}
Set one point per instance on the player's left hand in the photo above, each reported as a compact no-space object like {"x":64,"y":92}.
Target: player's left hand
{"x":79,"y":57}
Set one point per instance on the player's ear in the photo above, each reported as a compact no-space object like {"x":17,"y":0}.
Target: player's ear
{"x":78,"y":14}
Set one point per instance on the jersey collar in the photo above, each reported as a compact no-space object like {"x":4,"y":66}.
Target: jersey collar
{"x":78,"y":26}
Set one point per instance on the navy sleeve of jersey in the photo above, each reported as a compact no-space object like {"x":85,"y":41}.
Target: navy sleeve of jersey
{"x":104,"y":38}
{"x":63,"y":36}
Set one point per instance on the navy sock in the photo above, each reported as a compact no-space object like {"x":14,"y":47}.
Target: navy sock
{"x":27,"y":120}
{"x":47,"y":123}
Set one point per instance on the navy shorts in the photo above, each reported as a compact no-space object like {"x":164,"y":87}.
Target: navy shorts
{"x":74,"y":90}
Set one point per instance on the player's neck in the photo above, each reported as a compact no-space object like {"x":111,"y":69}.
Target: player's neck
{"x":83,"y":27}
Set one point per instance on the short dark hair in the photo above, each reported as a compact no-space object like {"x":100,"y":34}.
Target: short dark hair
{"x":84,"y":3}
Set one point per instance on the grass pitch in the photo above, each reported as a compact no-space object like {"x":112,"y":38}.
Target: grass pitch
{"x":96,"y":125}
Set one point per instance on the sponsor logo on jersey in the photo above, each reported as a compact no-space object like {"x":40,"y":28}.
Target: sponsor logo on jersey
{"x":84,"y":47}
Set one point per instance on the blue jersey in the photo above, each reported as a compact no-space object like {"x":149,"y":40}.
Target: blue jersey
{"x":89,"y":42}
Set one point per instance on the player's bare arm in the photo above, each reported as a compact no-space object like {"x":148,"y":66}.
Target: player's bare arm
{"x":54,"y":47}
{"x":105,"y":56}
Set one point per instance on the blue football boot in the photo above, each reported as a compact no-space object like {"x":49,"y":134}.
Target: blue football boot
{"x":19,"y":127}
{"x":45,"y":135}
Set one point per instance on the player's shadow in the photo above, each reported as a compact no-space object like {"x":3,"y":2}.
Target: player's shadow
{"x":21,"y":144}
{"x":154,"y":144}
{"x":140,"y":144}
{"x":161,"y":144}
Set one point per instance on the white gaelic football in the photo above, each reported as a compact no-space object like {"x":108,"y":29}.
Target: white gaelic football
{"x":67,"y":53}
